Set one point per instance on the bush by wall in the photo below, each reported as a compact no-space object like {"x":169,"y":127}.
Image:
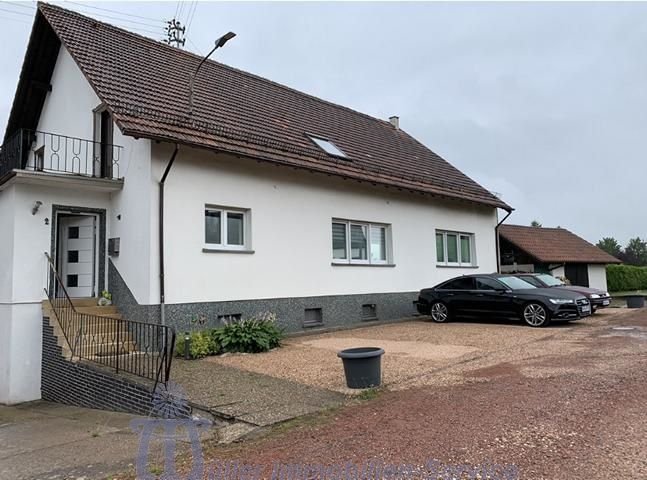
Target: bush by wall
{"x":623,"y":278}
{"x":251,"y":335}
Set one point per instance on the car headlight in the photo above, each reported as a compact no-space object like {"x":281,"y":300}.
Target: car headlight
{"x":561,"y":301}
{"x":606,"y":294}
{"x":594,"y":295}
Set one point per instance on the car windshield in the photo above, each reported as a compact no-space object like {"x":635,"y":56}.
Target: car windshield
{"x":515,"y":283}
{"x":550,"y":280}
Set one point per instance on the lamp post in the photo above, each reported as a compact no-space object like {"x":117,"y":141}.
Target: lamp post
{"x":219,"y":43}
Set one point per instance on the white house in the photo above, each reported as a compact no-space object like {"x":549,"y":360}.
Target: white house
{"x":272,"y":199}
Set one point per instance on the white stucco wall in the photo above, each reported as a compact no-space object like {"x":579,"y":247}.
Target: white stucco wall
{"x":68,"y":110}
{"x":291,"y":232}
{"x":598,"y":276}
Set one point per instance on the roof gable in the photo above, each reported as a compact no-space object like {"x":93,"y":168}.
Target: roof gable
{"x":144,"y":83}
{"x":554,"y":245}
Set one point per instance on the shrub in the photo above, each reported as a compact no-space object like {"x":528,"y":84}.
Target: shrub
{"x":201,"y":345}
{"x":251,"y":335}
{"x":623,"y":278}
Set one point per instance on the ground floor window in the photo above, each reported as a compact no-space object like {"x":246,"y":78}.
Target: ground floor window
{"x":226,"y":228}
{"x":360,"y":242}
{"x":454,"y":248}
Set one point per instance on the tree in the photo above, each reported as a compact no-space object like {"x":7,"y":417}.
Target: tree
{"x":611,"y":246}
{"x":636,"y":252}
{"x":535,"y":223}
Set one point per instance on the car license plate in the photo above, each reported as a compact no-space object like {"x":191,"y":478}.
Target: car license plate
{"x":605,"y":302}
{"x":586,"y":308}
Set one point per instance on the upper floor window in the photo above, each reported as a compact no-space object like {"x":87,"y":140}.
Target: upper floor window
{"x":360,"y":242}
{"x":454,"y":248}
{"x":104,"y":156}
{"x":226,"y":228}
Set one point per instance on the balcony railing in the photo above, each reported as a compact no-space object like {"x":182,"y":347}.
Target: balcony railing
{"x":52,"y":153}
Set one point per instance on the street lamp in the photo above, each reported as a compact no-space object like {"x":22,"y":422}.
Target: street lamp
{"x":219,"y":43}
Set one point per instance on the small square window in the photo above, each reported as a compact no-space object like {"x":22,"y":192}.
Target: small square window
{"x":72,"y":281}
{"x":230,"y":318}
{"x":73,"y":233}
{"x":369,"y":311}
{"x":327,"y":146}
{"x":312,"y":317}
{"x":72,"y":256}
{"x":226,"y":229}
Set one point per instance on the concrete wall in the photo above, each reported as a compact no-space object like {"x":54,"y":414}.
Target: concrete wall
{"x":598,"y":276}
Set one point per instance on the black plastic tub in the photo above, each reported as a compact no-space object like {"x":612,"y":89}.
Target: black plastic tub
{"x":635,"y":301}
{"x":362,"y":366}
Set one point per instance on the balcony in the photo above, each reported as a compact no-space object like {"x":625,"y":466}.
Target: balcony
{"x":42,"y":155}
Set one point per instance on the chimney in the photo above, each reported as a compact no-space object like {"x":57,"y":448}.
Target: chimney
{"x":395,"y":121}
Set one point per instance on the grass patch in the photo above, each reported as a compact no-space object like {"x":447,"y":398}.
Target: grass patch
{"x":369,"y":394}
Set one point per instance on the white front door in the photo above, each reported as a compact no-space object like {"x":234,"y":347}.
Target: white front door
{"x":77,"y":250}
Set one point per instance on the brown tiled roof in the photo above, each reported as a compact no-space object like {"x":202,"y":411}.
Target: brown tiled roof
{"x":554,"y":245}
{"x":144,"y":84}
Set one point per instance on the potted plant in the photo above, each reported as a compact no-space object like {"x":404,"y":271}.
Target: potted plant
{"x":105,"y":299}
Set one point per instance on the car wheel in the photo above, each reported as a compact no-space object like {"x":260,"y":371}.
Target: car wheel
{"x":536,"y":315}
{"x":439,"y":312}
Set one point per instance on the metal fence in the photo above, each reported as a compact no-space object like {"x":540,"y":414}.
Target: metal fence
{"x":138,"y":348}
{"x":49,"y":152}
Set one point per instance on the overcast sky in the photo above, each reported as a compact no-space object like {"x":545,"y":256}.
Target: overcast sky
{"x":545,"y":104}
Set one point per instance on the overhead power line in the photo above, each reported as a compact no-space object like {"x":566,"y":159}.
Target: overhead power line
{"x":30,"y":6}
{"x":113,"y":11}
{"x":15,"y":12}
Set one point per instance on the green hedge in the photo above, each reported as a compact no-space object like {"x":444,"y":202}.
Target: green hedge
{"x":624,"y":278}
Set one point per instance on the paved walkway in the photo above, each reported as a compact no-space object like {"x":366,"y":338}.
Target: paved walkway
{"x":42,"y":440}
{"x":247,"y":396}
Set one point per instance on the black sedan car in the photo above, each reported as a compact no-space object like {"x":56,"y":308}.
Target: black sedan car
{"x":501,"y":295}
{"x":597,"y":298}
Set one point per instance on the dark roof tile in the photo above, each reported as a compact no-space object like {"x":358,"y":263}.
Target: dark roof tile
{"x":144,"y":83}
{"x":554,"y":245}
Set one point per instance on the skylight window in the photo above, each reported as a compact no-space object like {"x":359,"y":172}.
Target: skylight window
{"x":327,"y":146}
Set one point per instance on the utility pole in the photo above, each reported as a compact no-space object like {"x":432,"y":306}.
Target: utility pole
{"x":175,"y":33}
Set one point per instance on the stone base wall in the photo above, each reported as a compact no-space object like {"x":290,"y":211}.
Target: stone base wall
{"x":293,"y":314}
{"x":83,"y":385}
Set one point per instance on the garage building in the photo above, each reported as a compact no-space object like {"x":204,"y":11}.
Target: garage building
{"x":553,"y":250}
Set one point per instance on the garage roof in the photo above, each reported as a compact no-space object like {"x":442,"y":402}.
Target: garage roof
{"x":554,"y":245}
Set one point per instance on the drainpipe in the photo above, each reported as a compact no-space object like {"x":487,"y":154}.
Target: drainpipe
{"x":496,"y":236}
{"x":161,"y":233}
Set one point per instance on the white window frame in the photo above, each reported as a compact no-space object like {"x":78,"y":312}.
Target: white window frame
{"x":224,"y":211}
{"x":368,"y":225}
{"x":459,"y":237}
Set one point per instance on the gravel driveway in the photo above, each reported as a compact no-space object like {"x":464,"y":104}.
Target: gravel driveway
{"x":418,"y":353}
{"x":560,"y":403}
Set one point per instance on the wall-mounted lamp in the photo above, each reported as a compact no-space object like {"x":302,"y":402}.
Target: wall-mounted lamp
{"x":47,"y":221}
{"x":36,"y":206}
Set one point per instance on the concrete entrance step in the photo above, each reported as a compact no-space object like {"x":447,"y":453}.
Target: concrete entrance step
{"x":110,"y":312}
{"x":84,"y":302}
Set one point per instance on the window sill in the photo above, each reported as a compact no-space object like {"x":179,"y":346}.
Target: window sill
{"x":335,"y":264}
{"x":439,"y":265}
{"x":225,"y":250}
